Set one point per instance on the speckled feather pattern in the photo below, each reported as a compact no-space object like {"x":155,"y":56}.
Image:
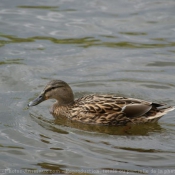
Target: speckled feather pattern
{"x":105,"y":110}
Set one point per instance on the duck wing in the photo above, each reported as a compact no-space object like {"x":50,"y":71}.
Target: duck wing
{"x":136,"y":110}
{"x":107,"y":109}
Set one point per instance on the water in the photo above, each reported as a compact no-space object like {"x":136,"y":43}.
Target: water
{"x":122,"y":47}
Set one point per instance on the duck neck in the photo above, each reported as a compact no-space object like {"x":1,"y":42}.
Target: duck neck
{"x":60,"y":110}
{"x":58,"y":105}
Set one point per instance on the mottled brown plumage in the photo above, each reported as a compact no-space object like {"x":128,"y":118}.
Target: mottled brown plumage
{"x":99,"y":109}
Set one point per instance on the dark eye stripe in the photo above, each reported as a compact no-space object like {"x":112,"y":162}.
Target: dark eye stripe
{"x":51,"y":88}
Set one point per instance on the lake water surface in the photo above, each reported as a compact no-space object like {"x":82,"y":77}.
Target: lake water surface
{"x":119,"y":47}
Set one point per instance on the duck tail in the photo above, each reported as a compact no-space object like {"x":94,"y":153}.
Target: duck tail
{"x":161,"y":112}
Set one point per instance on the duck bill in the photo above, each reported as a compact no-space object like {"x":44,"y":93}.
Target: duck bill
{"x":36,"y":101}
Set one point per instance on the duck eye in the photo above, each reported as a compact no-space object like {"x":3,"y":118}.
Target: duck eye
{"x":52,"y":88}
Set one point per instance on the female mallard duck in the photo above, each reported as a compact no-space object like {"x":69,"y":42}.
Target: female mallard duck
{"x":99,"y":109}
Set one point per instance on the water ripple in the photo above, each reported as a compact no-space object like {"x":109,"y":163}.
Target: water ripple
{"x":84,"y":42}
{"x":119,"y":47}
{"x":52,"y":16}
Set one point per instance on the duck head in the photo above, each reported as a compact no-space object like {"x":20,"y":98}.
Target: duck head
{"x":55,"y":89}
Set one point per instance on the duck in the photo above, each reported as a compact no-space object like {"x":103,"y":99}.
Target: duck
{"x":99,"y":109}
